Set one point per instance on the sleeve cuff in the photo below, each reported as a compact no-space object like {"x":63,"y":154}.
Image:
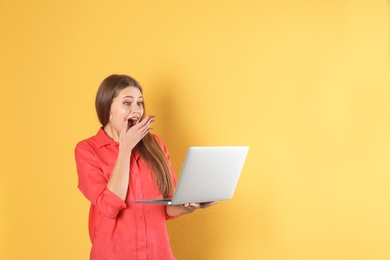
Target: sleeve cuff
{"x":113,"y":204}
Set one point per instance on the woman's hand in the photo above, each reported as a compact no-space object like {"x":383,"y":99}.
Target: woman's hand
{"x":130,"y":136}
{"x":178,"y":210}
{"x":128,"y":139}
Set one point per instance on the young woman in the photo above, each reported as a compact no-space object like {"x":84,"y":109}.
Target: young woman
{"x":121,"y":163}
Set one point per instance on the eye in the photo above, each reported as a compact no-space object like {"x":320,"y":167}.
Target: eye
{"x":127,"y":103}
{"x":141,"y":103}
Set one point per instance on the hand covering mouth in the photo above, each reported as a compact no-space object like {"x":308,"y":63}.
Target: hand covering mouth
{"x":132,"y":121}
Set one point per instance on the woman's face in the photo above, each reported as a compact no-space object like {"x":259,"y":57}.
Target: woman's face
{"x":129,"y":106}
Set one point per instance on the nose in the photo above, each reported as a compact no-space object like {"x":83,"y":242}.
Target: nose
{"x":135,"y":109}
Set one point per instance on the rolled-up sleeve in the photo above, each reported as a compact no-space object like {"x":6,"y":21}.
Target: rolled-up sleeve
{"x":92,"y":182}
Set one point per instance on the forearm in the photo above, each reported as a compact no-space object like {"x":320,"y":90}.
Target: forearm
{"x":177,"y":210}
{"x":119,"y":180}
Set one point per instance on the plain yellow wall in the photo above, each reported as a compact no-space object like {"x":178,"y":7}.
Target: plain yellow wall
{"x":304,"y":83}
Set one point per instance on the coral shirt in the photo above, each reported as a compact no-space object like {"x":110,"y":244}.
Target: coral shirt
{"x":121,"y":229}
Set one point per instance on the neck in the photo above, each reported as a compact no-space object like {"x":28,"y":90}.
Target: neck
{"x":111,"y":132}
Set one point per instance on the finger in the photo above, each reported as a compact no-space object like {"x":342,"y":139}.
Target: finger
{"x":208,"y":204}
{"x":195,"y":205}
{"x":145,"y":127}
{"x":149,"y":120}
{"x":124,"y":126}
{"x":143,"y":123}
{"x":152,"y":119}
{"x":145,"y":132}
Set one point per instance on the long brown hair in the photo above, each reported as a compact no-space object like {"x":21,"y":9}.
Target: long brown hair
{"x":149,"y":149}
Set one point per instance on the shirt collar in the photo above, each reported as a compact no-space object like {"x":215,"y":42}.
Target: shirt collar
{"x":102,"y":139}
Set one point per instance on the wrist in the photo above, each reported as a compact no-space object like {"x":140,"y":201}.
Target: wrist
{"x":124,"y":151}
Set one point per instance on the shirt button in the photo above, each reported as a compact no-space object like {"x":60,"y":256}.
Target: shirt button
{"x":139,"y":196}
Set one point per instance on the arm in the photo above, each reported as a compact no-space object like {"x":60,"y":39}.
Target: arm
{"x":128,"y":139}
{"x":107,"y":195}
{"x":92,"y":181}
{"x":119,"y":180}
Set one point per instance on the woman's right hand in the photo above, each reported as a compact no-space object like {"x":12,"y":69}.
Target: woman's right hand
{"x":129,"y":137}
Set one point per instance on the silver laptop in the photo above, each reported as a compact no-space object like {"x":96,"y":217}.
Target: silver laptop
{"x":209,"y":173}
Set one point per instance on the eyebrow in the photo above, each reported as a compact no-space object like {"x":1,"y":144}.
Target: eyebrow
{"x":140,"y":97}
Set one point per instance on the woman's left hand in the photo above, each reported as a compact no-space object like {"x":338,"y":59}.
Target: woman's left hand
{"x":178,"y":210}
{"x":193,"y":206}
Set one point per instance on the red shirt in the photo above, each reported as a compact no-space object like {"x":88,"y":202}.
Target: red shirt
{"x":122,"y":229}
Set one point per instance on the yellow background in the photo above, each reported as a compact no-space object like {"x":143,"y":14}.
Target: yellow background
{"x":304,"y":83}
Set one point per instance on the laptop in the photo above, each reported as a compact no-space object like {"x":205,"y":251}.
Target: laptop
{"x":209,"y":173}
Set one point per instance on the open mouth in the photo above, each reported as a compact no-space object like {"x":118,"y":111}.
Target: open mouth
{"x":132,"y":122}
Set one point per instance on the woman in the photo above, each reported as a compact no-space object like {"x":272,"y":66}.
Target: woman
{"x":121,"y":163}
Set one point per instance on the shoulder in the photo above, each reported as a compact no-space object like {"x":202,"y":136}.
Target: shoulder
{"x":160,"y":142}
{"x":86,"y":143}
{"x":89,"y":144}
{"x":95,"y":142}
{"x":157,"y":138}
